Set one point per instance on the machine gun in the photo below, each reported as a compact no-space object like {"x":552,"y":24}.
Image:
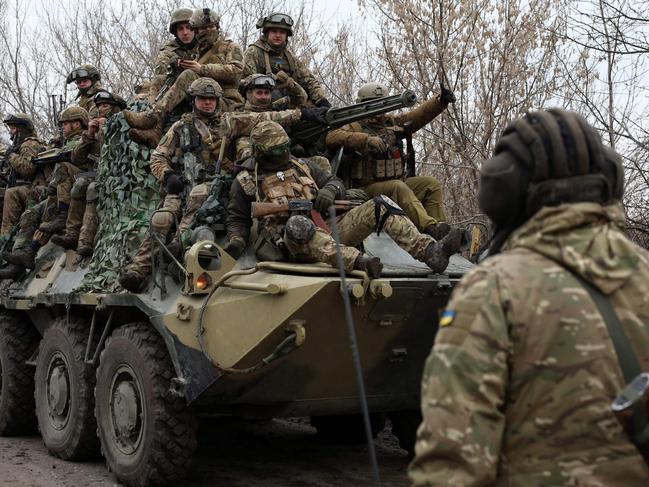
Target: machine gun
{"x":52,"y":156}
{"x":57,"y":108}
{"x":337,"y":117}
{"x":297,"y":206}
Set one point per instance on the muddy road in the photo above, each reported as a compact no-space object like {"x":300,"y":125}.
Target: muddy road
{"x":275,"y":453}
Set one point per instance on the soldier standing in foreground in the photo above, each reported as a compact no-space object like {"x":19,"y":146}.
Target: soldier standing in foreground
{"x":274,"y":176}
{"x":88,"y":81}
{"x":380,"y":167}
{"x":519,"y":385}
{"x":270,"y":55}
{"x":25,"y":182}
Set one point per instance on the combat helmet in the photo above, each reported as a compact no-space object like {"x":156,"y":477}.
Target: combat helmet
{"x":73,"y":113}
{"x":370,"y":91}
{"x":82,"y":72}
{"x":104,"y":96}
{"x":21,"y":119}
{"x":276,"y":20}
{"x":256,"y":80}
{"x":206,"y":87}
{"x":179,"y":16}
{"x":269,"y":138}
{"x":546,"y":158}
{"x":204,"y":17}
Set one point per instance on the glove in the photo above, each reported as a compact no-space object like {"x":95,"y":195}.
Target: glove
{"x":235,"y":247}
{"x":281,"y":77}
{"x":314,"y":114}
{"x":173,"y":183}
{"x":325,"y":198}
{"x":356,"y":194}
{"x":446,"y":96}
{"x":323,"y":103}
{"x":376,"y":144}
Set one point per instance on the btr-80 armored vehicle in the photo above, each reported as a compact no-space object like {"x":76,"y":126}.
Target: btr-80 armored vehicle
{"x":130,"y":374}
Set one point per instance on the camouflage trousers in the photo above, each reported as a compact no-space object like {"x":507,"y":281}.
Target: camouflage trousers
{"x":79,"y":193}
{"x":354,"y":226}
{"x":29,"y":221}
{"x":62,"y":181}
{"x":419,"y":196}
{"x":231,"y":101}
{"x":90,"y":223}
{"x":16,"y":201}
{"x":170,"y":210}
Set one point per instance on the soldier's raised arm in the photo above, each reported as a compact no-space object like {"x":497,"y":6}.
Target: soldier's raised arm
{"x":427,"y":111}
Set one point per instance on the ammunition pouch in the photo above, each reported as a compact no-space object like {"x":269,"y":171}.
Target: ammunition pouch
{"x":369,"y":170}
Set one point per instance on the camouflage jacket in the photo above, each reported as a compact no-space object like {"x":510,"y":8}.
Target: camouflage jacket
{"x":260,"y":57}
{"x":72,"y":143}
{"x":171,"y":51}
{"x":518,"y":386}
{"x":84,"y":100}
{"x":212,"y":132}
{"x":223,"y":62}
{"x":21,"y":160}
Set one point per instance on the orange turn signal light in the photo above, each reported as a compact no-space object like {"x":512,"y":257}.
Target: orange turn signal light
{"x":204,"y":281}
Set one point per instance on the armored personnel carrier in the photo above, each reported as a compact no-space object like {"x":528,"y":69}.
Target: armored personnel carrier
{"x":130,"y":375}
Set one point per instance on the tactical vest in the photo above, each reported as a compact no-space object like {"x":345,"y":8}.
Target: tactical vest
{"x":195,"y":139}
{"x":390,"y":165}
{"x":272,"y":63}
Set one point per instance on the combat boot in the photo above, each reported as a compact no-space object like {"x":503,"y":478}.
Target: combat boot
{"x":56,"y":224}
{"x":23,"y":257}
{"x":67,"y":241}
{"x":12,"y":271}
{"x":143,"y":120}
{"x":438,"y":253}
{"x":371,"y":265}
{"x":438,"y":230}
{"x":149,"y":137}
{"x":84,"y":250}
{"x":131,"y":281}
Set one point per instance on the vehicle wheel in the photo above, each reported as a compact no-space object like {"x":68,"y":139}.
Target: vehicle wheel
{"x":18,"y":341}
{"x":65,"y":402}
{"x":147,"y":434}
{"x":404,"y":427}
{"x":347,"y":428}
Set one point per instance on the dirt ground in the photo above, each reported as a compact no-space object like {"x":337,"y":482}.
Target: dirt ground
{"x":275,"y":453}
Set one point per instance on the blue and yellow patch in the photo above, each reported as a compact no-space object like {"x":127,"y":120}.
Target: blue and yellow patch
{"x":447,"y":317}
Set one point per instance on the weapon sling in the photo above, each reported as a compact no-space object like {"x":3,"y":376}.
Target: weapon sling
{"x":625,"y":355}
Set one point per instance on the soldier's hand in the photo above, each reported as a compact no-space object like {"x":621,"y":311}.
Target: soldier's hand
{"x":323,"y":103}
{"x":446,"y":96}
{"x":282,"y":77}
{"x":189,"y":64}
{"x":235,"y":247}
{"x":173,"y":183}
{"x":315,"y":114}
{"x":325,"y":198}
{"x":376,"y":144}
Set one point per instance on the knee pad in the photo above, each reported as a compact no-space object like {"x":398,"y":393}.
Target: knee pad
{"x":79,"y":188}
{"x":299,"y":229}
{"x":92,"y":193}
{"x":161,"y":221}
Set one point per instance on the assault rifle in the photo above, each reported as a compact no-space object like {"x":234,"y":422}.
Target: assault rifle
{"x":337,"y":117}
{"x":261,"y":210}
{"x":52,"y":156}
{"x":57,"y":108}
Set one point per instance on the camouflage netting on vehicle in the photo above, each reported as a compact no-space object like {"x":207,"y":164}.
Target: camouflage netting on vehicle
{"x":128,"y":195}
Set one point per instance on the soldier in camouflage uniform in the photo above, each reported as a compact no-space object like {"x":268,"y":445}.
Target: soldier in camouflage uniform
{"x":82,"y":218}
{"x":88,"y":81}
{"x":218,"y":58}
{"x":380,"y":169}
{"x":518,"y":387}
{"x":270,"y":55}
{"x":186,"y":160}
{"x":25,"y":182}
{"x":30,"y":237}
{"x":274,"y":176}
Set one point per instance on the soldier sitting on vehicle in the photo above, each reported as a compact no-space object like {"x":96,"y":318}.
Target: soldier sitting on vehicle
{"x":24,"y":182}
{"x":188,"y":157}
{"x":82,"y":219}
{"x":88,"y":81}
{"x":270,"y":55}
{"x":274,"y":176}
{"x":218,"y":58}
{"x":53,"y":210}
{"x":380,"y":165}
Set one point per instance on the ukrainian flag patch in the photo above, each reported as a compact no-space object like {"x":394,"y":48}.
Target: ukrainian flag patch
{"x":447,"y":317}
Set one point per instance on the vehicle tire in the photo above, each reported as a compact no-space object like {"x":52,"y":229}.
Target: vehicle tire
{"x":346,"y":428}
{"x":65,"y":402}
{"x":404,"y":427}
{"x":147,"y":434}
{"x":18,"y":341}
